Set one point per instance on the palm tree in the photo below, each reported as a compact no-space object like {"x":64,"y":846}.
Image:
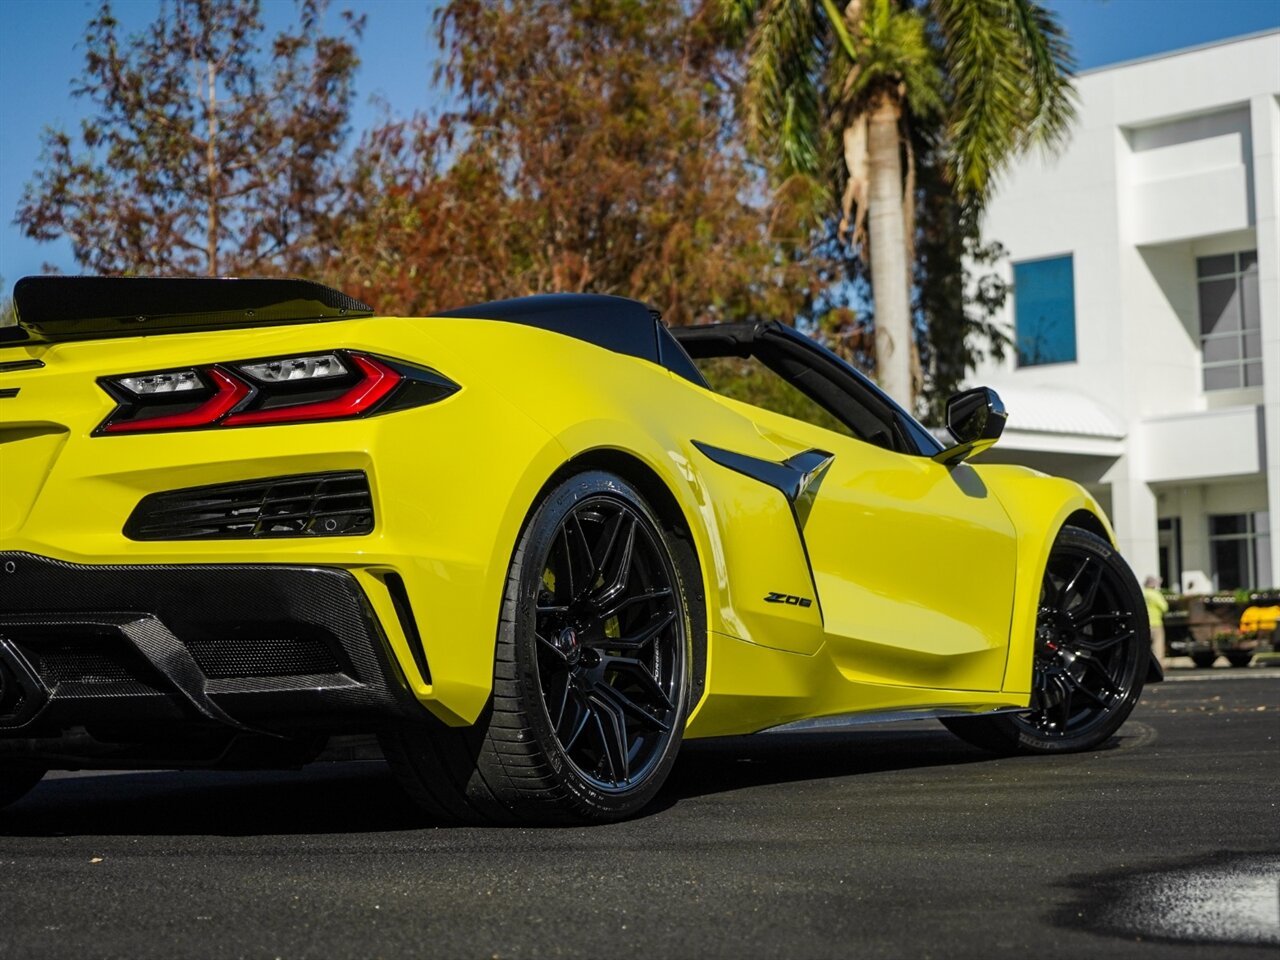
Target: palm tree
{"x":833,"y":94}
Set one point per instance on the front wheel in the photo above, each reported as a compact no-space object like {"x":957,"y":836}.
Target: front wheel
{"x":592,"y":672}
{"x":1092,"y":645}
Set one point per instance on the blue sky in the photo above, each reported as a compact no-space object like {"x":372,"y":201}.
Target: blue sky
{"x":42,"y":55}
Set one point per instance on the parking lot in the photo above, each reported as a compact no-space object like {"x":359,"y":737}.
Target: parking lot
{"x":885,"y":841}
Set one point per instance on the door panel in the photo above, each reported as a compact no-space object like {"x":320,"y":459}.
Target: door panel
{"x":914,"y":563}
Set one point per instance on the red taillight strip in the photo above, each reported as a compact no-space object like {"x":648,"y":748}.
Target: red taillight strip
{"x":379,"y":380}
{"x":230,"y":391}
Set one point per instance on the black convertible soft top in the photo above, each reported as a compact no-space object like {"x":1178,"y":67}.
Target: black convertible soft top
{"x":53,"y":309}
{"x":615,"y":323}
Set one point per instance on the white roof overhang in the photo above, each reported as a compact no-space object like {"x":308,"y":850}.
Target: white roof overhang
{"x":1054,"y":419}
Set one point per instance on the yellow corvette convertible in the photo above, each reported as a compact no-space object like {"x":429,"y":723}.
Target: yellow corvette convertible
{"x":524,"y":543}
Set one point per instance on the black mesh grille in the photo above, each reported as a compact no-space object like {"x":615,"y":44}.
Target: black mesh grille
{"x":278,"y":656}
{"x":99,"y":663}
{"x":311,"y":505}
{"x":68,"y":662}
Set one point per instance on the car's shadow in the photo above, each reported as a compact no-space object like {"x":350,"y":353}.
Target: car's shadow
{"x":363,"y":797}
{"x":735,"y":763}
{"x":323,"y":798}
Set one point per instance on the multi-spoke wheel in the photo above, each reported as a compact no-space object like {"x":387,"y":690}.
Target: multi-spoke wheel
{"x":592,"y":672}
{"x":1092,"y":648}
{"x":610,"y":642}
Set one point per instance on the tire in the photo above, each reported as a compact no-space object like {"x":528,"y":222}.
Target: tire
{"x":591,"y":677}
{"x":1093,"y":641}
{"x":1204,"y":659}
{"x":1239,"y":659}
{"x":16,"y":783}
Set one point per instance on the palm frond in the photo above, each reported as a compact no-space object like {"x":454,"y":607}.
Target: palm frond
{"x":736,"y":17}
{"x":783,"y":100}
{"x":893,"y":50}
{"x":1009,"y":65}
{"x":1052,"y":64}
{"x":836,"y":17}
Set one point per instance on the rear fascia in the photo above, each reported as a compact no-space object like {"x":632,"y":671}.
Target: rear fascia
{"x":451,"y":482}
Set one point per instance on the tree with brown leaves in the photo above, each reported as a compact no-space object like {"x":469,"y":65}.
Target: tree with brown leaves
{"x":208,"y":150}
{"x":595,"y":149}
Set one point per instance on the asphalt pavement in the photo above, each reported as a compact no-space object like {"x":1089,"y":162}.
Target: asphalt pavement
{"x":887,"y":841}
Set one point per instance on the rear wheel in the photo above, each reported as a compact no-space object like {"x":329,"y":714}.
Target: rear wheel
{"x":591,"y":680}
{"x":16,"y":783}
{"x":1092,"y":646}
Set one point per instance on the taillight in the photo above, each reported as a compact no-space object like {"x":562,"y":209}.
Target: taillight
{"x":227,"y":392}
{"x":379,"y":380}
{"x":338,"y":385}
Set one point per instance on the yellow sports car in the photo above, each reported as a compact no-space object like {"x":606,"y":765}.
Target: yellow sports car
{"x":524,"y":543}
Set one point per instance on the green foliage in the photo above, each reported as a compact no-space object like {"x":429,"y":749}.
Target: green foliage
{"x":1010,"y":65}
{"x":752,"y":383}
{"x":891,"y":51}
{"x":957,"y":290}
{"x":997,"y":73}
{"x":784,"y":109}
{"x":975,"y":83}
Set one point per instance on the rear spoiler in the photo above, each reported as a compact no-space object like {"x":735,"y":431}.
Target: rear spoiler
{"x":53,"y":309}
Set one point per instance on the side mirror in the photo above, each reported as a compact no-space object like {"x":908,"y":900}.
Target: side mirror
{"x":976,"y":419}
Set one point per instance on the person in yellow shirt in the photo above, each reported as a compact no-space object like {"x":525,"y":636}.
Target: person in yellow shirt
{"x":1157,"y":607}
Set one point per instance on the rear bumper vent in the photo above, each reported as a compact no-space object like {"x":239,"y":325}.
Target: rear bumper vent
{"x":95,"y":661}
{"x":310,"y":505}
{"x":274,"y":654}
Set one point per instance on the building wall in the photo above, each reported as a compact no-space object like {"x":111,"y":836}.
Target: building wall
{"x":1173,"y":158}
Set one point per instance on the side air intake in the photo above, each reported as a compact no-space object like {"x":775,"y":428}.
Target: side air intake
{"x":310,"y":505}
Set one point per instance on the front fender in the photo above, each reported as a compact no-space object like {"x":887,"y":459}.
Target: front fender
{"x":1039,"y":507}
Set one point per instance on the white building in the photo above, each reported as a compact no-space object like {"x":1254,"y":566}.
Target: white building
{"x":1146,"y":261}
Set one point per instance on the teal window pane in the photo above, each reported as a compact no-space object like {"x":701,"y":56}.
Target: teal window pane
{"x":1044,"y":305}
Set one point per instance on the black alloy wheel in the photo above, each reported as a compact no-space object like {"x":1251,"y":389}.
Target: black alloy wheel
{"x":1092,"y":648}
{"x":610,"y":642}
{"x":592,"y":672}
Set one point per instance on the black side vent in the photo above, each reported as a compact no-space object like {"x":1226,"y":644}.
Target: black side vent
{"x":408,"y":623}
{"x":311,"y":505}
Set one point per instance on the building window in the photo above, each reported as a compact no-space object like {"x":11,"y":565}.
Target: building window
{"x":1044,"y":308}
{"x":1169,"y":531}
{"x":1240,"y":545}
{"x":1230,"y":320}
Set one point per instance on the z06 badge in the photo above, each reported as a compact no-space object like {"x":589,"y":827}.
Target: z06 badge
{"x":788,"y":598}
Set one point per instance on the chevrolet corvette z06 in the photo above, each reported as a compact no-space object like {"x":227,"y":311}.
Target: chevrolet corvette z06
{"x":525,"y":544}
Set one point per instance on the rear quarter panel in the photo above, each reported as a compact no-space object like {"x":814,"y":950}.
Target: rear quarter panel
{"x":592,"y":400}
